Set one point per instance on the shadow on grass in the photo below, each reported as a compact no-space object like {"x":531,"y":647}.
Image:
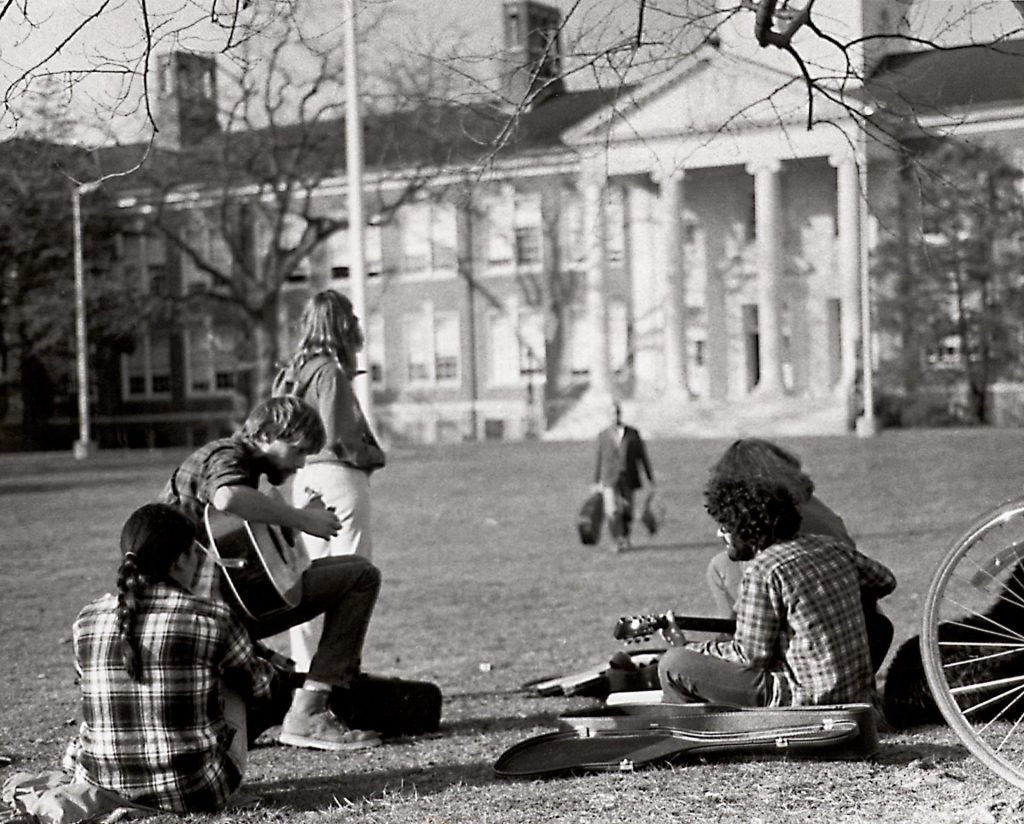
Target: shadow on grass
{"x":687,"y":546}
{"x":900,"y":753}
{"x":324,"y":792}
{"x":491,"y":724}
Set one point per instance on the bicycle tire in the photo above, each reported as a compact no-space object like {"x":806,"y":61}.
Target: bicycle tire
{"x":992,"y":727}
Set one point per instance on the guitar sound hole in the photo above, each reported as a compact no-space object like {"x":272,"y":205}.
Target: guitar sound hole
{"x":288,"y":536}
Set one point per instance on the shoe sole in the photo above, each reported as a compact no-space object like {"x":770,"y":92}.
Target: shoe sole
{"x":292,"y":740}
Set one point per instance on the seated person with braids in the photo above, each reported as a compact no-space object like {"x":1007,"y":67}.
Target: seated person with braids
{"x":800,"y":634}
{"x":273,"y":442}
{"x":151,"y":661}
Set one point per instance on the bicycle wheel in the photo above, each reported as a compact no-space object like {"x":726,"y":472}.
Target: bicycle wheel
{"x":972,"y":639}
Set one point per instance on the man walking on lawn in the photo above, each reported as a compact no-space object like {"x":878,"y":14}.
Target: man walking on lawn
{"x":621,"y":455}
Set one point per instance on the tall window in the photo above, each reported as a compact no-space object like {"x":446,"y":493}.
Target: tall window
{"x":529,"y":235}
{"x":516,"y":343}
{"x":210,"y":359}
{"x":338,"y":253}
{"x":581,"y":335}
{"x":432,"y":347}
{"x":206,"y":240}
{"x":429,"y":239}
{"x":615,"y":225}
{"x":619,"y":336}
{"x":375,"y":348}
{"x":500,"y":227}
{"x":146,"y":372}
{"x":514,"y":229}
{"x":574,"y":244}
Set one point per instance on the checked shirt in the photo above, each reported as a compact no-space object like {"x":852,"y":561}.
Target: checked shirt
{"x":163,"y":742}
{"x":800,"y":618}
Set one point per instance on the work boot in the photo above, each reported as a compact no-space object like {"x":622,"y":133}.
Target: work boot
{"x":309,"y":723}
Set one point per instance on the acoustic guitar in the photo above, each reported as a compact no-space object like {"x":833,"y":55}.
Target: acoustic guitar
{"x":641,"y":627}
{"x":262,"y":563}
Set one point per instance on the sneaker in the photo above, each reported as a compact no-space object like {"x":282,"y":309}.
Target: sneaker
{"x":323,"y":731}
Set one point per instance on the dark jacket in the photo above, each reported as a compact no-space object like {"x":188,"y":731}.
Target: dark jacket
{"x":619,"y":463}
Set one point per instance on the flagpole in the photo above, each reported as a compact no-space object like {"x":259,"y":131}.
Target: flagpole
{"x":356,"y":218}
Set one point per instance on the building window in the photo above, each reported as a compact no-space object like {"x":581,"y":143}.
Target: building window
{"x":514,"y":228}
{"x":375,"y":349}
{"x":619,"y":337}
{"x":574,"y":243}
{"x":581,"y":335}
{"x":615,"y":225}
{"x":429,"y":239}
{"x":528,"y":230}
{"x":338,"y":253}
{"x":146,"y":372}
{"x":210,"y":359}
{"x":433,"y":347}
{"x":517,"y":348}
{"x":500,"y":228}
{"x":531,"y":343}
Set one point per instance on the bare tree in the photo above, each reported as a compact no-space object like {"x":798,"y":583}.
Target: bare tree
{"x":249,"y":205}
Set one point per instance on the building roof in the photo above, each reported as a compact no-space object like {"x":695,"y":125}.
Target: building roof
{"x":940,"y":80}
{"x":435,"y":135}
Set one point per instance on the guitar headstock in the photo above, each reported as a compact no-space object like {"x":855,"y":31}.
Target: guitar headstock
{"x":638,"y":627}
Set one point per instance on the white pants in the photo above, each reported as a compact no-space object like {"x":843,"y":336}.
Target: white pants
{"x":347,"y":492}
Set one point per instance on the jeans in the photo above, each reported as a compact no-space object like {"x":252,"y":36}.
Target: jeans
{"x":344,"y":591}
{"x":688,"y":676}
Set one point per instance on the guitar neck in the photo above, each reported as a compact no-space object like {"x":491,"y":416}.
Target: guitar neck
{"x":698,"y":623}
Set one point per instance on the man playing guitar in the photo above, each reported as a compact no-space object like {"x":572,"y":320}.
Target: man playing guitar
{"x":224,"y":475}
{"x":801,"y":636}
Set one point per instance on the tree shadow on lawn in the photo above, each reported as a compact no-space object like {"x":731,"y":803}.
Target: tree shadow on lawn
{"x":325,"y":792}
{"x":689,"y":546}
{"x":704,"y":546}
{"x":492,"y":724}
{"x":901,"y":753}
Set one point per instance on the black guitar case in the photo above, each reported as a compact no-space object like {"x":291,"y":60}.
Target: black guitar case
{"x":624,"y":738}
{"x":391,"y":706}
{"x":588,"y":522}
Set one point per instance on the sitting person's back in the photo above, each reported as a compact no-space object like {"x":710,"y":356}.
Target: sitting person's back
{"x":800,"y":634}
{"x":800,"y":616}
{"x":152,"y":661}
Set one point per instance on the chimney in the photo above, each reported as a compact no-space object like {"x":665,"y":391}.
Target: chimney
{"x":186,"y":98}
{"x":531,"y":62}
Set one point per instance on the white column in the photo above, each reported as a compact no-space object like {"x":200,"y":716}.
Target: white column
{"x":769,"y":226}
{"x":848,"y":209}
{"x":595,"y":184}
{"x":672,"y":282}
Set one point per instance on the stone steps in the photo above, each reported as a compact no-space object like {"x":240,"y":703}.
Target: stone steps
{"x":675,"y":418}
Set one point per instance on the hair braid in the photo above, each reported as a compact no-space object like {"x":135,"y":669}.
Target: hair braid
{"x":130,"y":583}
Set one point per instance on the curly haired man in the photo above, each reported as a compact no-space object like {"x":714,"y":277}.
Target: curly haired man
{"x":800,"y":634}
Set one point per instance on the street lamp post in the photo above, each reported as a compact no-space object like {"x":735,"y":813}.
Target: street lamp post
{"x":83,"y":446}
{"x":867,"y":425}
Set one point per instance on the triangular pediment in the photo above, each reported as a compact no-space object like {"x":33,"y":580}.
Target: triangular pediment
{"x":713,"y":93}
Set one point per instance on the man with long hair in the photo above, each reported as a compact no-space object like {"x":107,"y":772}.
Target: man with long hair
{"x":801,"y":636}
{"x":225,"y":475}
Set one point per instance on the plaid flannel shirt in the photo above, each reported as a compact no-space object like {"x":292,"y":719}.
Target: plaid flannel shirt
{"x":229,"y":461}
{"x":163,"y":742}
{"x":800,"y":618}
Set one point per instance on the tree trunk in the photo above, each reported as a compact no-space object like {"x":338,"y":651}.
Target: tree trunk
{"x":266,"y":340}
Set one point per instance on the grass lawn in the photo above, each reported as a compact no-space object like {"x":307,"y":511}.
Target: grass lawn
{"x":486,"y":588}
